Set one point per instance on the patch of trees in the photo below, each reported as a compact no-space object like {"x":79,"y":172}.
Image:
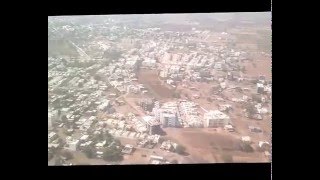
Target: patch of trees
{"x":246,"y":147}
{"x":89,"y":152}
{"x":243,"y":69}
{"x":250,"y":109}
{"x":180,"y":149}
{"x":112,"y":54}
{"x":256,"y":98}
{"x":176,"y":94}
{"x":227,"y":158}
{"x":174,"y":161}
{"x":112,"y":153}
{"x":67,"y":155}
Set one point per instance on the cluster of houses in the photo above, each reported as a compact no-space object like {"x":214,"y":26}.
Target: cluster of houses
{"x":80,"y":88}
{"x":262,"y":146}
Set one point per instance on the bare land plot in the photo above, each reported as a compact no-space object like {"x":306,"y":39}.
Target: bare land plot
{"x":150,"y":79}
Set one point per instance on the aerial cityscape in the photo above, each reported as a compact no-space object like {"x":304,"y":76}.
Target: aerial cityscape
{"x":159,"y":89}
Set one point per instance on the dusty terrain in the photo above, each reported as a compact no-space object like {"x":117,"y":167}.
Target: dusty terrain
{"x":205,"y":146}
{"x":260,"y":66}
{"x":150,"y":79}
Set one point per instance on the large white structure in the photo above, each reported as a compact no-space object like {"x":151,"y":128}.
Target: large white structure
{"x":169,"y":119}
{"x":167,"y":114}
{"x":190,"y":112}
{"x":216,"y":119}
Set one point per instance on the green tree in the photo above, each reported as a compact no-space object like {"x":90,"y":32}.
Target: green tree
{"x":100,"y":136}
{"x":89,"y":152}
{"x":238,"y":89}
{"x":112,"y":154}
{"x":250,"y":109}
{"x":246,"y":147}
{"x":174,"y":161}
{"x":176,"y":94}
{"x":67,"y":154}
{"x":227,"y":158}
{"x":117,"y":142}
{"x":256,"y":98}
{"x":80,"y":85}
{"x":64,"y":118}
{"x":58,"y":161}
{"x":180,"y":149}
{"x":97,"y":77}
{"x":60,"y":141}
{"x":243,"y":69}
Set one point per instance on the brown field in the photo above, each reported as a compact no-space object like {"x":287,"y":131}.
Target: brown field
{"x":206,"y":146}
{"x":150,"y":79}
{"x":260,"y":66}
{"x":203,"y":147}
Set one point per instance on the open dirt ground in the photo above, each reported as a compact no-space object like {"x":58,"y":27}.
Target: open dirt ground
{"x":206,"y":146}
{"x":150,"y":79}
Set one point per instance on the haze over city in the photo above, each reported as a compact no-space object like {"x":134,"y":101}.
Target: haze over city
{"x":159,"y":89}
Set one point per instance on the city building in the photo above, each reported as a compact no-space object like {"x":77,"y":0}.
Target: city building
{"x":216,"y":119}
{"x":169,"y":119}
{"x":128,"y":148}
{"x":153,"y":125}
{"x":72,"y":144}
{"x":52,"y":136}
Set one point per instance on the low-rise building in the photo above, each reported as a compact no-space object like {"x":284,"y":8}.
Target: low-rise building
{"x":264,"y":145}
{"x":52,"y":136}
{"x":128,"y":149}
{"x":246,"y":139}
{"x":72,"y":144}
{"x":229,"y":128}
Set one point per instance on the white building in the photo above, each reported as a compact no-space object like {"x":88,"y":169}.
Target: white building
{"x":149,"y":63}
{"x":101,"y":144}
{"x":216,"y":119}
{"x":84,"y":138}
{"x":52,"y":136}
{"x":72,"y":144}
{"x":104,"y":105}
{"x":50,"y":121}
{"x":169,"y":119}
{"x":246,"y":139}
{"x":52,"y":117}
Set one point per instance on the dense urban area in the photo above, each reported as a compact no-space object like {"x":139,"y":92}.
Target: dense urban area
{"x":159,"y":89}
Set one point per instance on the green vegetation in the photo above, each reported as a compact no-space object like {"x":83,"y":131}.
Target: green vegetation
{"x":256,"y":98}
{"x":176,"y":94}
{"x":174,"y":161}
{"x":89,"y":152}
{"x":243,"y":69}
{"x":227,"y":158}
{"x":97,"y":77}
{"x":64,"y":118}
{"x":112,"y":55}
{"x":112,"y":154}
{"x":180,"y":149}
{"x":264,"y":42}
{"x":68,"y":155}
{"x":246,"y":147}
{"x":61,"y":47}
{"x":250,"y":109}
